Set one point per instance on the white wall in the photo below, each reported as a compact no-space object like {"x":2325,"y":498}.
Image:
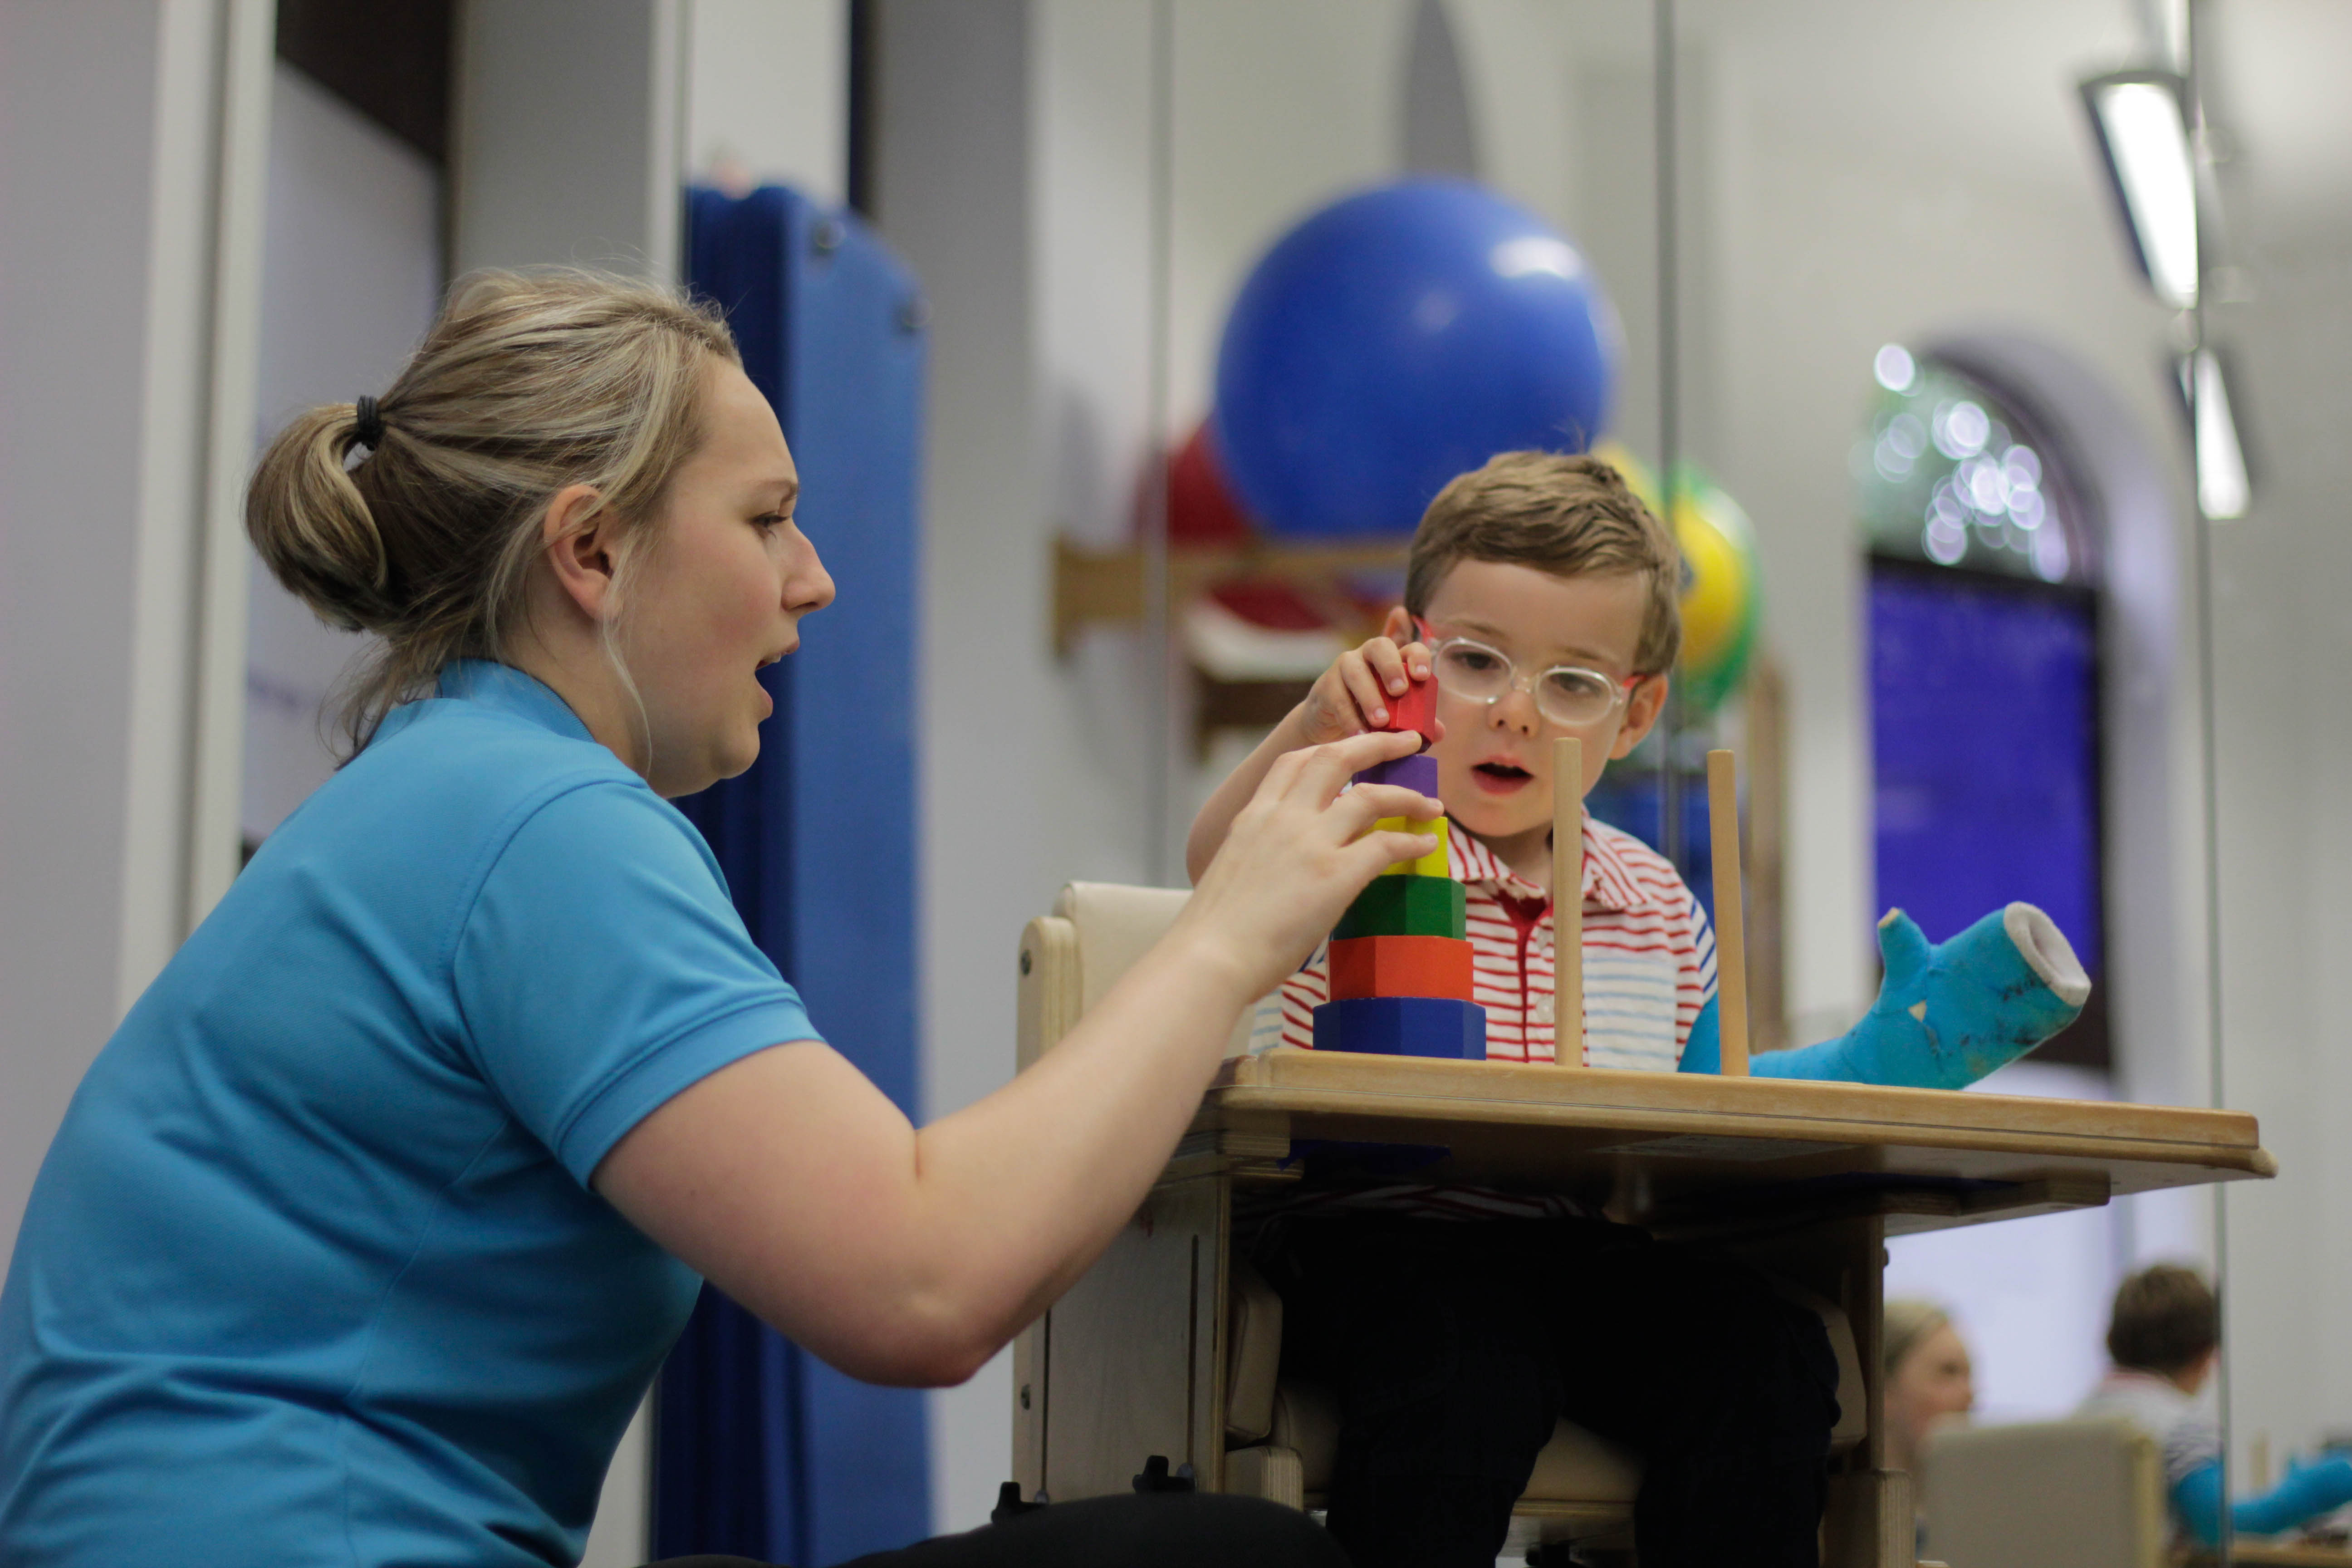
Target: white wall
{"x":767,"y":90}
{"x":128,"y":191}
{"x":351,"y":279}
{"x":2285,"y":637}
{"x":568,"y":122}
{"x":73,"y":339}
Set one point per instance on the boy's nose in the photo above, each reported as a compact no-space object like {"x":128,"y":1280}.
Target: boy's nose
{"x":1515,"y":709}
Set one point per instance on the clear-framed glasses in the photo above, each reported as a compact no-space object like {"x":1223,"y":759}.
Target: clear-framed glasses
{"x":1569,"y":696}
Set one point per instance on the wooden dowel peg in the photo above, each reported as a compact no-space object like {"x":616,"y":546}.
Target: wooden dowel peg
{"x":1567,"y":901}
{"x":1730,"y":929}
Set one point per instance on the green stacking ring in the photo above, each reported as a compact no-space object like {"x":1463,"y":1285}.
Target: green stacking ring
{"x":1405,"y":906}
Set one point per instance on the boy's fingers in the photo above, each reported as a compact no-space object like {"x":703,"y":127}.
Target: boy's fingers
{"x":1364,"y":687}
{"x":1388,"y":663}
{"x":1416,"y":660}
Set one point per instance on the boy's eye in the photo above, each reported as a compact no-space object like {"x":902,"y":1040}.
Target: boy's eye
{"x":1581,"y":684}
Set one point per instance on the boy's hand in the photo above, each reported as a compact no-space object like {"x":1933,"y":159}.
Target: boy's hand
{"x":1353,"y":696}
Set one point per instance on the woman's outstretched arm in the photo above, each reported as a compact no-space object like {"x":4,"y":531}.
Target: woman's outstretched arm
{"x":911,"y":1256}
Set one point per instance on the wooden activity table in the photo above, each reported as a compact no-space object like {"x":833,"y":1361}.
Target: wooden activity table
{"x":1806,"y":1179}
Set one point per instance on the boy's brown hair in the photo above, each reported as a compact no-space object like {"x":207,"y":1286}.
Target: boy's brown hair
{"x":1564,"y":515}
{"x":2166,"y":1320}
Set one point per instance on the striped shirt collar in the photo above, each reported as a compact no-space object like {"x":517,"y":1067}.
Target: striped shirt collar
{"x":1609,"y":882}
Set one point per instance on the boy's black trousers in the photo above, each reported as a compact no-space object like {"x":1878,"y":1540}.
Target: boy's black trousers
{"x":1454,"y":1346}
{"x":1166,"y":1529}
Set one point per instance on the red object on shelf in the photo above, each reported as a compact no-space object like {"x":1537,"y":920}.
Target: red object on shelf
{"x":1400,"y":966}
{"x":1200,"y":505}
{"x":1271,"y":603}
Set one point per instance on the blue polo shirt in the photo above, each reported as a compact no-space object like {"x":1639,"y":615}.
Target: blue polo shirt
{"x":313,"y":1273}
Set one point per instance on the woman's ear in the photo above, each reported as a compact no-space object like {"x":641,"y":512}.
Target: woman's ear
{"x":578,"y":538}
{"x":1641,"y":710}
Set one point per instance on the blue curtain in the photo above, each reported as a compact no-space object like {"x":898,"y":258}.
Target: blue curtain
{"x":760,"y":1449}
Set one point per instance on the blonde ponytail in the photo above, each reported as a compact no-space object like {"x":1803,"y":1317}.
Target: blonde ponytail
{"x":313,"y":526}
{"x":527,"y":383}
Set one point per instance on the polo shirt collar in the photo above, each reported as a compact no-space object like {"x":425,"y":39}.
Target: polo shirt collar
{"x":1608,"y":882}
{"x":507,"y":689}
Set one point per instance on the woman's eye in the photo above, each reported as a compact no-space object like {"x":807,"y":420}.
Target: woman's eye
{"x":771,"y":521}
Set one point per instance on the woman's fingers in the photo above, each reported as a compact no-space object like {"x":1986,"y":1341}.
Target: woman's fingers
{"x":1389,"y":847}
{"x":1326,"y":769}
{"x":1368,"y":804}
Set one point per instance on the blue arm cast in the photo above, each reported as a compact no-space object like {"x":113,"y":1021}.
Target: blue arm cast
{"x":1946,"y":1014}
{"x":2307,"y":1491}
{"x":1703,"y":1052}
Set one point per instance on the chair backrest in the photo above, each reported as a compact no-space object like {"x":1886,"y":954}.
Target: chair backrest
{"x":2046,"y":1494}
{"x":1071,"y":958}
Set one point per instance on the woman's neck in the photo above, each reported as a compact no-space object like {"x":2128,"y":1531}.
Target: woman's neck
{"x":576,"y":668}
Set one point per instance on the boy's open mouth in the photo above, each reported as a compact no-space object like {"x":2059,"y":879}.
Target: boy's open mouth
{"x":1500,"y":778}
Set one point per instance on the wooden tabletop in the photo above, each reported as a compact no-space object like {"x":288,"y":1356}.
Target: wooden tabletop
{"x":1663,"y":1145}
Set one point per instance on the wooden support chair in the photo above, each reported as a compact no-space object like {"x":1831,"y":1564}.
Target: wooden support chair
{"x":1278,"y":1439}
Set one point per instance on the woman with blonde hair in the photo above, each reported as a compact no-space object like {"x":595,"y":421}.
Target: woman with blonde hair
{"x":1928,"y":1379}
{"x":365,"y":1233}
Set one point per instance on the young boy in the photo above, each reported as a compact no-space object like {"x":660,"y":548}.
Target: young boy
{"x":2164,"y":1336}
{"x":1541,"y":595}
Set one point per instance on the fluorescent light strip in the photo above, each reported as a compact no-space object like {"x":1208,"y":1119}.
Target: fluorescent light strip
{"x":2222,"y":490}
{"x":2149,"y":145}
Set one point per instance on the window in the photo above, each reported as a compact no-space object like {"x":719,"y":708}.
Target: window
{"x":1984,"y":675}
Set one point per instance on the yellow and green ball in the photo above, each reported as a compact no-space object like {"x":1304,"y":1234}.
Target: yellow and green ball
{"x":1722,"y":604}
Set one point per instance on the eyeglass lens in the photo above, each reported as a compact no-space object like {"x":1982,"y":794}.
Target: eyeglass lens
{"x":1565,"y":695}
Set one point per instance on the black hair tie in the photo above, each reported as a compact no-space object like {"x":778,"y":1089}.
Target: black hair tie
{"x":367,"y":425}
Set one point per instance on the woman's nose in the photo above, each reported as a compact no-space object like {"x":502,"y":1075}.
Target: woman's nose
{"x":810,"y":588}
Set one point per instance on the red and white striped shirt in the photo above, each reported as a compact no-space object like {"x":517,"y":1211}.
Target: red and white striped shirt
{"x":1649,"y":958}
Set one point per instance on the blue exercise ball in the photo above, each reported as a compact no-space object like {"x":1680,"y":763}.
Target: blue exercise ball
{"x":1397,"y":338}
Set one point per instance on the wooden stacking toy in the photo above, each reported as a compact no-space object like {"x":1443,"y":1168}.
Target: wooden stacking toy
{"x":1400,"y":957}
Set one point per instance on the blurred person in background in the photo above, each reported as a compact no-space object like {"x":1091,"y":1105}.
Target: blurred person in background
{"x":2164,"y":1335}
{"x":1929,"y":1381}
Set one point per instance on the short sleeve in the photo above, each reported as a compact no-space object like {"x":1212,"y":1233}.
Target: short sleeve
{"x":601,"y":969}
{"x":1694,"y":988}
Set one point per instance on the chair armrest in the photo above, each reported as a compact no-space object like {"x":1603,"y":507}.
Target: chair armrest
{"x":1048,"y":995}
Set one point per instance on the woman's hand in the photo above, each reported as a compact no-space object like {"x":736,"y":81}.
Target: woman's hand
{"x":903,"y":1256}
{"x":1352,"y":696}
{"x":1298,"y":852}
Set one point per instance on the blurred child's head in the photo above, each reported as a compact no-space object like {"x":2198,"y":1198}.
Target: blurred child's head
{"x":1554,"y":563}
{"x":2167,"y":1322}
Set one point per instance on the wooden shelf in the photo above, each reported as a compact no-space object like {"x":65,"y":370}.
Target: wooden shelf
{"x":1104,"y":587}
